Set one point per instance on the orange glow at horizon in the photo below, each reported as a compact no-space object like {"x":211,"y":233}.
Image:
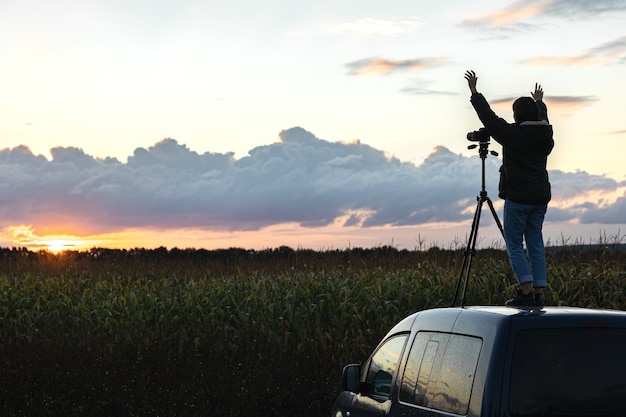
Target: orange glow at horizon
{"x":333,"y":236}
{"x":27,"y":236}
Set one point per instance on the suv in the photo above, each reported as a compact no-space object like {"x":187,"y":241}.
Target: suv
{"x":493,"y":361}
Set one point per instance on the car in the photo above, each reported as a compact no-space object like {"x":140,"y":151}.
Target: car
{"x":493,"y":361}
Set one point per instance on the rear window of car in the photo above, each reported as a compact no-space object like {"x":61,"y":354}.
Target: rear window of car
{"x":569,"y":372}
{"x":440,"y":371}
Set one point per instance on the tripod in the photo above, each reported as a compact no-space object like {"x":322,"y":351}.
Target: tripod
{"x":470,"y":251}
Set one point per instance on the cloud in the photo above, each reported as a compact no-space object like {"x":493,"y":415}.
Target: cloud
{"x":609,"y":214}
{"x":376,"y":27}
{"x":515,"y":12}
{"x":566,"y":184}
{"x":562,"y":104}
{"x":509,"y":20}
{"x":583,"y":8}
{"x":300,"y":179}
{"x":520,"y":15}
{"x":570,"y":102}
{"x":374,"y":67}
{"x":422,"y":87}
{"x":613,"y":52}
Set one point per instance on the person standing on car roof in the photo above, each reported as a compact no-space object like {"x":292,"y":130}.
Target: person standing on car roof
{"x":524,"y":185}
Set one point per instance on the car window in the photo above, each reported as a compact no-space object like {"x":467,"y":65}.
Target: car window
{"x":383,"y":366}
{"x":561,"y":372}
{"x":440,"y":371}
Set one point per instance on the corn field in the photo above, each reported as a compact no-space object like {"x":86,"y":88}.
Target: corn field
{"x":234,"y":332}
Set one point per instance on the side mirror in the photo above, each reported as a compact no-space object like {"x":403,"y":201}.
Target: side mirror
{"x":351,"y":377}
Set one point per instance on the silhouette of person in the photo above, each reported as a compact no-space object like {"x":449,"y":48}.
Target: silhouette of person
{"x":524,"y":185}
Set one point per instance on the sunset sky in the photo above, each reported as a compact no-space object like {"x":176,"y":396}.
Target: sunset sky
{"x":326,"y":124}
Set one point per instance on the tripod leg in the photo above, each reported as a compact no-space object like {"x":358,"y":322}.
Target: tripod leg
{"x":468,"y":255}
{"x":472,"y":253}
{"x":495,"y":216}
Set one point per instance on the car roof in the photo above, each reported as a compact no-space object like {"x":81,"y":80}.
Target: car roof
{"x":560,"y":312}
{"x":547,"y":309}
{"x":444,"y":319}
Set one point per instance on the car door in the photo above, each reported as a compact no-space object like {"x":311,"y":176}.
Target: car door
{"x":378,"y":379}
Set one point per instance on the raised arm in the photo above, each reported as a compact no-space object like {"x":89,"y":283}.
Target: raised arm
{"x":472,"y":79}
{"x":538,"y":93}
{"x":538,"y":96}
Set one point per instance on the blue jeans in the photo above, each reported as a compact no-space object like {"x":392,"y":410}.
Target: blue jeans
{"x":524,"y":222}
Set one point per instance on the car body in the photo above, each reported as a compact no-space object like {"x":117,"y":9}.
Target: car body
{"x":493,"y":361}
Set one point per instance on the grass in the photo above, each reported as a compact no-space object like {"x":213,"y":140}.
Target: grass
{"x":234,"y":332}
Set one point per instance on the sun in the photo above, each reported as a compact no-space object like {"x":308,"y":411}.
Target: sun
{"x":60,"y":245}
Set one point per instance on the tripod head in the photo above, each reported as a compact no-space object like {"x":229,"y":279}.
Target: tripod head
{"x":483,"y":146}
{"x":483,"y":150}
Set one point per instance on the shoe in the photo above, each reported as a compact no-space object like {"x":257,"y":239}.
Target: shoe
{"x":539,"y":300}
{"x":521,"y":300}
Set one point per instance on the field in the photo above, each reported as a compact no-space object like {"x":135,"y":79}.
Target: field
{"x":234,"y":332}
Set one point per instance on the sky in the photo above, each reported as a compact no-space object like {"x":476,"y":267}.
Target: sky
{"x":323,"y":125}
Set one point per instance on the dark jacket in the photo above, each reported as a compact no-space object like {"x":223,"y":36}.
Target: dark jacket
{"x":525,"y":150}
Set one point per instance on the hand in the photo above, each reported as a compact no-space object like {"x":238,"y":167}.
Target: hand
{"x":538,"y":93}
{"x":472,"y":79}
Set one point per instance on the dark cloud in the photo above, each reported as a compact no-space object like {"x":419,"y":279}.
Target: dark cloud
{"x":571,"y":184}
{"x":606,"y":214}
{"x":301,"y":179}
{"x":567,"y":185}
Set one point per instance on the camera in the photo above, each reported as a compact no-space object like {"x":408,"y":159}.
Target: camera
{"x":480,"y":135}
